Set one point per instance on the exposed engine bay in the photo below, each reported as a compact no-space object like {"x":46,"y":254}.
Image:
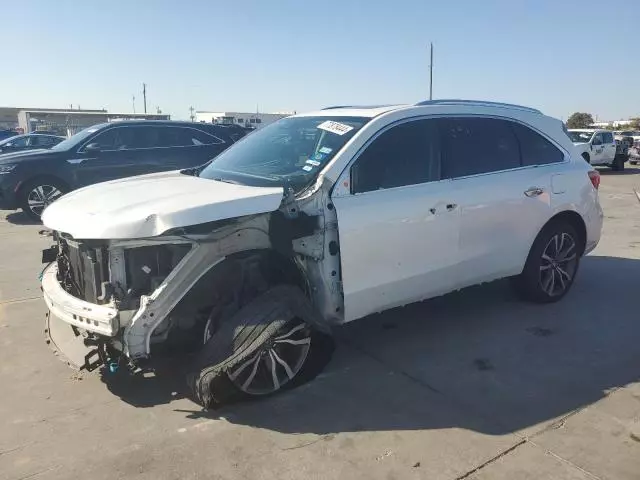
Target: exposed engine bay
{"x":170,"y":292}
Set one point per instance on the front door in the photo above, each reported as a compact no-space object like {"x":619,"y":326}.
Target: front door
{"x":398,"y":225}
{"x":609,"y":147}
{"x":112,"y":154}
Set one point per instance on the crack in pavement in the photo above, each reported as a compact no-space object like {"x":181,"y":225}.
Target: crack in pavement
{"x":491,"y":460}
{"x":20,"y":300}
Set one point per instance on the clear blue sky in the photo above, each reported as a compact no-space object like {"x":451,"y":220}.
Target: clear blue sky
{"x":560,"y":56}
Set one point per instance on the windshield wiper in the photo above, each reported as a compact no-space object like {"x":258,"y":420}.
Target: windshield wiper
{"x":226,"y":180}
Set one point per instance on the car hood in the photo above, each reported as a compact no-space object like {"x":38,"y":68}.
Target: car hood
{"x":149,"y":205}
{"x":28,"y":155}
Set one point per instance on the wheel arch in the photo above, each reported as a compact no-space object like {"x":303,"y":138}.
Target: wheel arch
{"x":20,"y":191}
{"x":574,"y":219}
{"x":257,"y":269}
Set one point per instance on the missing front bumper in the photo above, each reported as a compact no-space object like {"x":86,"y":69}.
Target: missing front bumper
{"x":100,"y":319}
{"x":78,"y":349}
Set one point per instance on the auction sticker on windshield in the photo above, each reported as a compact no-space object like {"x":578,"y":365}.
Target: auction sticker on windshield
{"x":335,"y":127}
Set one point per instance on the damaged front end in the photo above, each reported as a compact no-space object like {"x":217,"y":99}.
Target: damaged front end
{"x":112,"y":301}
{"x":95,"y":288}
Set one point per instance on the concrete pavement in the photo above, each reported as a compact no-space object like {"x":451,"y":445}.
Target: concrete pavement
{"x":473,"y":385}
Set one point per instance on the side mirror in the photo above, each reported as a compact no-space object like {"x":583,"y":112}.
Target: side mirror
{"x":92,"y":148}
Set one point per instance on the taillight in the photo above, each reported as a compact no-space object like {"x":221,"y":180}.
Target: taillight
{"x":594,"y":176}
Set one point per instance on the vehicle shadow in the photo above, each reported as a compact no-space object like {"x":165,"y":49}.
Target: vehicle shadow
{"x":629,"y":170}
{"x":19,"y":218}
{"x":478,"y":359}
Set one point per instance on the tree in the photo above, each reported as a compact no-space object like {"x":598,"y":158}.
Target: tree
{"x":580,"y":120}
{"x":635,"y":123}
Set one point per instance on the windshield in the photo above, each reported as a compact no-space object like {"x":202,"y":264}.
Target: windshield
{"x":77,"y":138}
{"x":286,"y":153}
{"x":580,"y":137}
{"x":9,"y":140}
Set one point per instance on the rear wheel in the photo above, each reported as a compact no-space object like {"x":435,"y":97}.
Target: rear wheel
{"x":552,"y":264}
{"x":38,"y":194}
{"x":618,"y":163}
{"x":633,"y":162}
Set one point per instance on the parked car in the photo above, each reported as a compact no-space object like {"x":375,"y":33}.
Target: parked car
{"x":598,"y":147}
{"x":32,"y":180}
{"x":634,"y":151}
{"x":316,"y":220}
{"x":625,"y":136}
{"x":29,"y":142}
{"x":7,"y":133}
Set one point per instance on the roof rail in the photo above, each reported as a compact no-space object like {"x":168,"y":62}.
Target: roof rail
{"x":363,"y":107}
{"x":477,"y":102}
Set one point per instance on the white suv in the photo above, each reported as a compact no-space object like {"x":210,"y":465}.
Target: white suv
{"x":598,"y":147}
{"x":314,"y":221}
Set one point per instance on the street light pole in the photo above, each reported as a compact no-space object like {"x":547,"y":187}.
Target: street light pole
{"x":431,"y":73}
{"x":144,"y":95}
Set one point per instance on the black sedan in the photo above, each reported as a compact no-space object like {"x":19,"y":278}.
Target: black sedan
{"x":31,"y":180}
{"x":29,"y":142}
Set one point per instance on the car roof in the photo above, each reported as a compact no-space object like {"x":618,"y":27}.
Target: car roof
{"x":152,"y":122}
{"x":375,"y":110}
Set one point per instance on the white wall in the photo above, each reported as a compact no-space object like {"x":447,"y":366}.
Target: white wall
{"x":249,"y":119}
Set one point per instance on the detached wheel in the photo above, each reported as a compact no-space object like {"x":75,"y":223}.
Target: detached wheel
{"x":272,"y":344}
{"x":552,"y":264}
{"x":36,"y":195}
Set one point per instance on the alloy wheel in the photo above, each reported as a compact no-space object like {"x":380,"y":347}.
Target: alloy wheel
{"x":558,"y":264}
{"x":41,"y":197}
{"x":275,"y":363}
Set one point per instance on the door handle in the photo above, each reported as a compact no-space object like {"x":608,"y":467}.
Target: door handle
{"x":449,"y":207}
{"x":534,"y":192}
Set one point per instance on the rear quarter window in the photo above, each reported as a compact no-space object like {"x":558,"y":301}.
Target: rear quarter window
{"x":535,"y":149}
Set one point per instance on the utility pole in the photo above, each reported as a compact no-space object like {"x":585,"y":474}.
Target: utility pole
{"x":133,"y":101}
{"x":431,"y":72}
{"x":192,"y":116}
{"x":144,"y":95}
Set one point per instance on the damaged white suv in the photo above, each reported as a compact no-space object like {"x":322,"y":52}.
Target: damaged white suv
{"x":314,"y":221}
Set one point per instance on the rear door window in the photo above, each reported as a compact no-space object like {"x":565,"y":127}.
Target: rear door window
{"x":534,"y":148}
{"x":187,"y":137}
{"x":607,"y":137}
{"x":472,"y":146}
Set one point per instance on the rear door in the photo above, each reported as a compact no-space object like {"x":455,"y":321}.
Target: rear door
{"x":501,"y":177}
{"x":609,"y":147}
{"x":185,"y":147}
{"x":397,"y":225}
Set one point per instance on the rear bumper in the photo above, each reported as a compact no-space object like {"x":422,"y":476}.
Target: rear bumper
{"x":100,"y":319}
